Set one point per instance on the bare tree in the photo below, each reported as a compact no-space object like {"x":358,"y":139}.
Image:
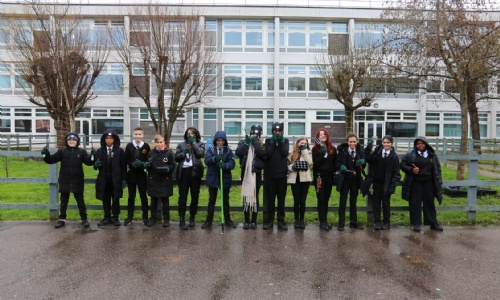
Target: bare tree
{"x":56,"y":62}
{"x":170,"y":62}
{"x":352,"y":76}
{"x":455,"y":41}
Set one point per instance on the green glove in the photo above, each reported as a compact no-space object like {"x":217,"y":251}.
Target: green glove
{"x":124,"y":183}
{"x":370,"y":141}
{"x":45,"y":151}
{"x":186,"y":150}
{"x":280,"y":137}
{"x":137,"y":164}
{"x":221,"y":165}
{"x":93,"y":152}
{"x":323,"y":148}
{"x":343,"y":169}
{"x":293,"y":167}
{"x":253,"y":139}
{"x":360,"y":162}
{"x":167,"y":169}
{"x":303,"y":147}
{"x":146,"y":165}
{"x":219,"y":157}
{"x":192,"y":140}
{"x":98,"y":164}
{"x":248,"y":140}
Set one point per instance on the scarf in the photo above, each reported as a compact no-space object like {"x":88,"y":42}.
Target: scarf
{"x":248,"y":186}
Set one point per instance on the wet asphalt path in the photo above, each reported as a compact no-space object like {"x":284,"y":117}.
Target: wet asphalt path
{"x":136,"y":262}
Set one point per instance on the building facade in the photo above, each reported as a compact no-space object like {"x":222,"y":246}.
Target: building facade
{"x":267,"y":73}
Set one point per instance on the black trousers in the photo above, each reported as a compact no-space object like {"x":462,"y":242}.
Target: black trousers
{"x":299,"y":192}
{"x":137,"y":181}
{"x":79,"y":201}
{"x":165,"y":207}
{"x":186,"y":183}
{"x":422,"y":195}
{"x":275,"y":187}
{"x":212,"y":192}
{"x":349,"y":186}
{"x":258,"y":178}
{"x":380,"y":202}
{"x":110,"y":204}
{"x":323,"y":196}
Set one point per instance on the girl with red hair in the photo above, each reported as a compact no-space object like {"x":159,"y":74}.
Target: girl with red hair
{"x":324,"y":161}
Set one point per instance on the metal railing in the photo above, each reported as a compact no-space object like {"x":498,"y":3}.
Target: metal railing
{"x":472,"y":184}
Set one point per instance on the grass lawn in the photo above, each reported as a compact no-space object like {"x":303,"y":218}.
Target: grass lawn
{"x":38,"y":194}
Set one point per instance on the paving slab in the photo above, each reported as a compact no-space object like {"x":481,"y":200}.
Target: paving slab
{"x":137,"y":262}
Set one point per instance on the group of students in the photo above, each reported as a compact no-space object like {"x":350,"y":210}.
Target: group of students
{"x":151,"y":172}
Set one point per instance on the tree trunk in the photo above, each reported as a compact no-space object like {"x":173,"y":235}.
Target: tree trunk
{"x":349,"y":120}
{"x":474,"y":115}
{"x":464,"y":137}
{"x":61,"y":125}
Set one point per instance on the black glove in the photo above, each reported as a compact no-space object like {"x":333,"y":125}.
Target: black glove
{"x":98,"y":164}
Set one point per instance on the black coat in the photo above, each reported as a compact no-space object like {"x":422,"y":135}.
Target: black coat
{"x":132,"y":155}
{"x":118,"y":167}
{"x":258,"y":159}
{"x":343,"y":156}
{"x":391,"y":169}
{"x":277,"y":159}
{"x":407,"y":167}
{"x":160,"y":182}
{"x":71,"y":177}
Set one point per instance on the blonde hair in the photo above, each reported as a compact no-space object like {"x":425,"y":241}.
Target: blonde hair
{"x":296,"y":151}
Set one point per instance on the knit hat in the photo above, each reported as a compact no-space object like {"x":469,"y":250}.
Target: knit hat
{"x":256,"y":129}
{"x":278,"y":126}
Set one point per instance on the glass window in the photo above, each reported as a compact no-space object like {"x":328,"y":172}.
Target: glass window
{"x":42,"y":126}
{"x":323,"y":115}
{"x":85,"y":113}
{"x":338,"y":115}
{"x":232,"y":33}
{"x":254,"y":114}
{"x":296,"y":39}
{"x":22,"y":125}
{"x":270,"y":114}
{"x":409,"y":116}
{"x":108,"y":82}
{"x":4,"y":112}
{"x":483,"y":117}
{"x":100,"y":112}
{"x":399,"y":129}
{"x":211,"y":25}
{"x":41,"y":112}
{"x":144,"y":114}
{"x":210,"y":114}
{"x":432,"y":116}
{"x":232,"y":82}
{"x":116,"y":112}
{"x":296,"y":128}
{"x":339,"y":27}
{"x":375,"y":115}
{"x":253,"y":80}
{"x":317,"y":84}
{"x":4,"y":81}
{"x":301,"y":115}
{"x":281,"y":114}
{"x":270,"y":78}
{"x":452,"y":130}
{"x":100,"y":125}
{"x":452,"y":117}
{"x":393,"y":116}
{"x":236,"y":114}
{"x":232,"y":127}
{"x":195,"y":114}
{"x":432,"y":129}
{"x":317,"y":39}
{"x":296,"y":83}
{"x":22,"y":112}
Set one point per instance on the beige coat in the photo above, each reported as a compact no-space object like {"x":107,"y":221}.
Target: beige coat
{"x":304,"y":176}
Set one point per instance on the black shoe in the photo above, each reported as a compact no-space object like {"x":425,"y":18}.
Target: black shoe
{"x":116,"y":222}
{"x":282,"y":226}
{"x":324,"y":226}
{"x":268,"y":226}
{"x":152,"y":222}
{"x":104,"y":221}
{"x":437,"y":227}
{"x":192,"y":223}
{"x":385,"y":227}
{"x":145,"y":221}
{"x":296,"y":225}
{"x":253,"y":225}
{"x":246,"y":225}
{"x":340,"y":228}
{"x":329,"y":225}
{"x":85,"y":223}
{"x":128,"y":221}
{"x":356,"y":226}
{"x":303,"y":225}
{"x":206,"y":225}
{"x":60,"y":224}
{"x":376,"y":226}
{"x":182,"y":224}
{"x":230,"y":224}
{"x":166,"y":222}
{"x":417,"y":228}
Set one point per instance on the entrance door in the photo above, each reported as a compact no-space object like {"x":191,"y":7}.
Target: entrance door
{"x":370,"y":129}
